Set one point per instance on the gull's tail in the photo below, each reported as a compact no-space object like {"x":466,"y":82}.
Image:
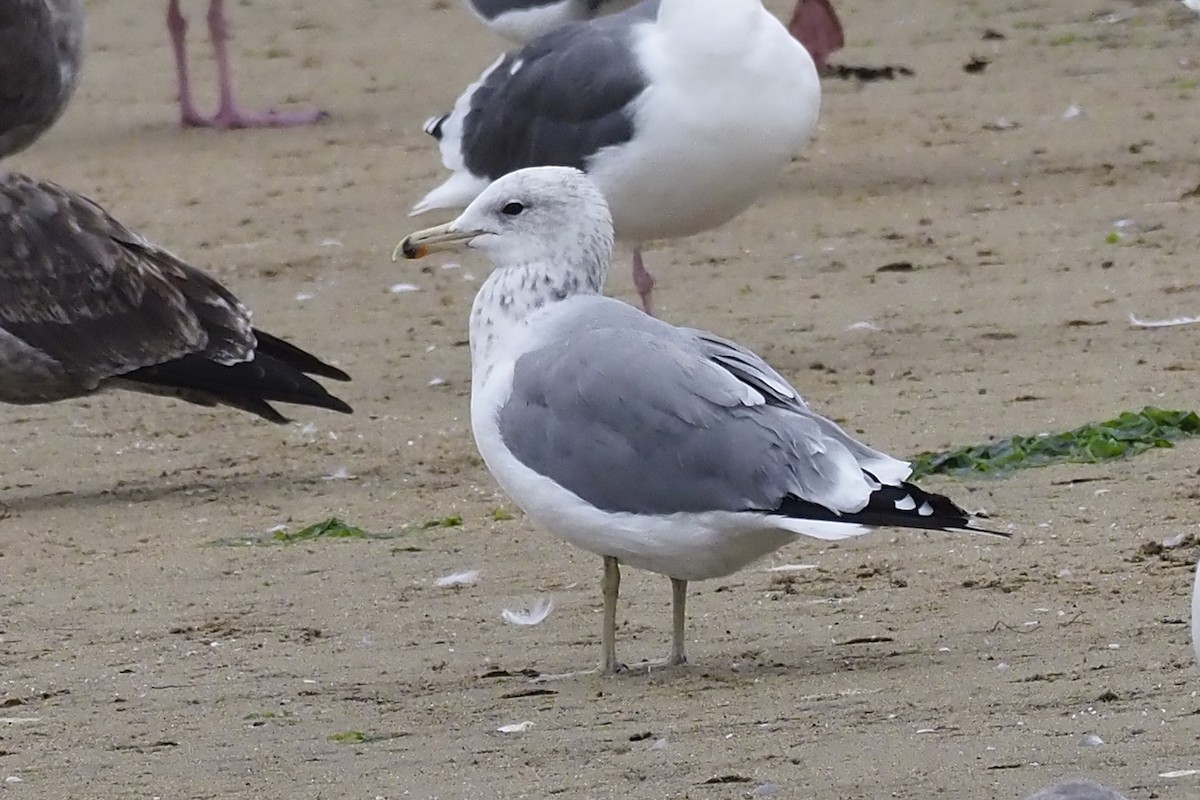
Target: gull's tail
{"x":902,"y":506}
{"x":278,"y":372}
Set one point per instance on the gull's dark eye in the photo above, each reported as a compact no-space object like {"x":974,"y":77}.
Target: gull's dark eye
{"x":513,"y":208}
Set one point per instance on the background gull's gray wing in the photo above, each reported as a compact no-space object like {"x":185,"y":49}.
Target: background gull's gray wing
{"x":86,"y":301}
{"x":555,"y":102}
{"x":41,"y":51}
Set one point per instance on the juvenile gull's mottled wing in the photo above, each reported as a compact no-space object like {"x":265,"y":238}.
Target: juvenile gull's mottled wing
{"x":98,"y":299}
{"x":88,"y":303}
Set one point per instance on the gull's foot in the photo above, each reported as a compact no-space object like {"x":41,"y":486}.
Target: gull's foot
{"x":616,"y":669}
{"x":600,"y":669}
{"x":234,"y":118}
{"x":658,"y":663}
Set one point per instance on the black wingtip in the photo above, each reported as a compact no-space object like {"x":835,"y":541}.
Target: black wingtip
{"x":903,"y":506}
{"x":278,"y":372}
{"x":300,"y":359}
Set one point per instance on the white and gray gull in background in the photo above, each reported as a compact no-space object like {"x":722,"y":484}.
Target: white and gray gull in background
{"x":41,"y":52}
{"x":668,"y":449}
{"x":814,"y":22}
{"x":682,"y":117}
{"x":88,"y":305}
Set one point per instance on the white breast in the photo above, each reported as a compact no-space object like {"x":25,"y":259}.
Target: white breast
{"x":711,"y":131}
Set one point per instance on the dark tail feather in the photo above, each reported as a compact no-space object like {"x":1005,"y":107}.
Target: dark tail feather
{"x":894,"y":506}
{"x":249,"y":385}
{"x":290,"y":354}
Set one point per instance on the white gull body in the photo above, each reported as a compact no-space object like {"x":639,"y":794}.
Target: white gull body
{"x":664,"y":448}
{"x":682,"y":119}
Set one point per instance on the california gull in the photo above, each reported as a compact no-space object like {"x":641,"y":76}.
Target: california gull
{"x":1077,"y":790}
{"x":813,"y":22}
{"x":88,"y":305}
{"x":683,"y":119}
{"x":668,"y":449}
{"x":41,"y":51}
{"x":229,"y":114}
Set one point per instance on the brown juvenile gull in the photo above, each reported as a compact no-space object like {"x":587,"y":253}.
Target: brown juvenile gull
{"x":668,"y":449}
{"x":88,"y":305}
{"x":41,"y":50}
{"x":229,"y":113}
{"x":683,"y":113}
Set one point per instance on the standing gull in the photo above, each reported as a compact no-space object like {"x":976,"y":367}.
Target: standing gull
{"x":88,"y":305}
{"x":682,"y":119}
{"x":668,"y":449}
{"x":229,"y":114}
{"x":814,"y":22}
{"x":41,"y":51}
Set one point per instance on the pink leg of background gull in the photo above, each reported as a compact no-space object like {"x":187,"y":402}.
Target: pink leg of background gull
{"x":229,"y":114}
{"x":643,"y":281}
{"x":815,"y":25}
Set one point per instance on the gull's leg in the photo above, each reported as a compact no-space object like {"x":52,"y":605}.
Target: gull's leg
{"x":679,"y":618}
{"x":643,"y":280}
{"x":815,"y":25}
{"x":678,"y":654}
{"x":229,"y":114}
{"x":177,"y":28}
{"x":610,"y":586}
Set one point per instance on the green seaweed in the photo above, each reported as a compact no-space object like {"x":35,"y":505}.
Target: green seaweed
{"x":332,"y":528}
{"x":1129,"y":434}
{"x":452,"y":521}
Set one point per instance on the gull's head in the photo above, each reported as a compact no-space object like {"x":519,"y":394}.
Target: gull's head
{"x":536,"y":215}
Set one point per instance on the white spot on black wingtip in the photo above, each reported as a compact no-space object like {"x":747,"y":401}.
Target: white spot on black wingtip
{"x":516,"y":66}
{"x":925,"y":510}
{"x":433,"y":125}
{"x":906,"y":503}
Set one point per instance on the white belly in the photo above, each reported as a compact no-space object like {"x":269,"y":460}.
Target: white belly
{"x":707,"y":143}
{"x":686,"y":546}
